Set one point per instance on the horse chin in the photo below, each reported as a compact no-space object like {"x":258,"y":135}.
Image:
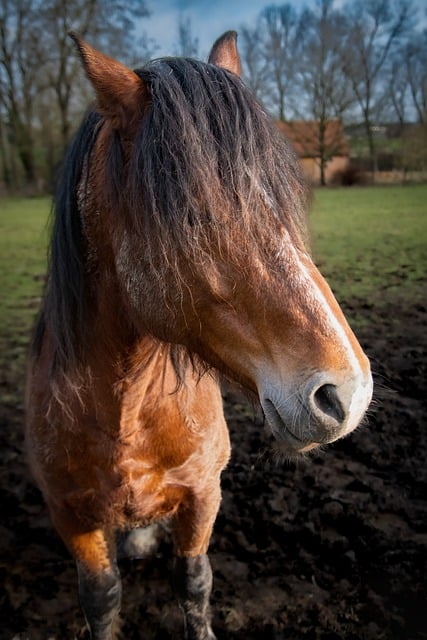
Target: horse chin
{"x":289,"y":446}
{"x":282,"y":452}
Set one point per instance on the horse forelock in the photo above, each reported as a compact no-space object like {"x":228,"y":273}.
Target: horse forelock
{"x":207,"y":165}
{"x":207,"y":154}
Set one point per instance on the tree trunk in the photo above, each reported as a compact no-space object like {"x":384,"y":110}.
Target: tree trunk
{"x":322,"y":151}
{"x":6,"y":169}
{"x":372,"y":149}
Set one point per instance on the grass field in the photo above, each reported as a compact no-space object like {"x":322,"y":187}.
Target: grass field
{"x":23,"y":241}
{"x":371,"y":244}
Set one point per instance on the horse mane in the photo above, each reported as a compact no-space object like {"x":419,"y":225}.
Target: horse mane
{"x":206,"y":158}
{"x":64,"y":294}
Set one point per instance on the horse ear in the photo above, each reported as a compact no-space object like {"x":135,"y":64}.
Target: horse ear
{"x":120,"y":92}
{"x":224,"y":53}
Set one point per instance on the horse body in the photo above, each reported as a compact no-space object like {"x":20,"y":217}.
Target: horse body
{"x":176,"y":251}
{"x":137,"y":448}
{"x":133,"y":449}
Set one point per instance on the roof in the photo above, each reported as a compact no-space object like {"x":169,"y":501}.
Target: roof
{"x":305,"y":137}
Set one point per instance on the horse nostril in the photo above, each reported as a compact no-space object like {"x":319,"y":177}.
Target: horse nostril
{"x":326,"y":399}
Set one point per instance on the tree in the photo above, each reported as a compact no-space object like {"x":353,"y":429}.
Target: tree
{"x":110,"y":24}
{"x":282,"y":30}
{"x":19,"y":81}
{"x":415,"y":65}
{"x":253,"y":59}
{"x":373,"y":30}
{"x":396,"y":88}
{"x":40,"y":74}
{"x":325,"y":89}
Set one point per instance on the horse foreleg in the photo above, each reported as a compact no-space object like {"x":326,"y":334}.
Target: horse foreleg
{"x":192,"y":582}
{"x":99,"y":578}
{"x":192,"y":574}
{"x":100,"y":597}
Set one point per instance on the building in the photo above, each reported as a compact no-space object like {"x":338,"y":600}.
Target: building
{"x":305,"y":137}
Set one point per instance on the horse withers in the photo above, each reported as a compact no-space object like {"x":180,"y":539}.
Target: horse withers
{"x":177,"y":254}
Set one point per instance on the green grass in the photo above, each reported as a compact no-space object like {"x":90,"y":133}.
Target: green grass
{"x":23,"y":241}
{"x":371,"y":243}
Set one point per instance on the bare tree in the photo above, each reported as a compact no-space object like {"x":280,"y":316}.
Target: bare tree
{"x":7,"y":164}
{"x":374,"y":28}
{"x":396,"y":88}
{"x":39,"y":72}
{"x":407,"y":91}
{"x":254,"y":61}
{"x":282,"y":30}
{"x":415,"y":65}
{"x":19,"y":80}
{"x":325,"y":89}
{"x":109,"y":24}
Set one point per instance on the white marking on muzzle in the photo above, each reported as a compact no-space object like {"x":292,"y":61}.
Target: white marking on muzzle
{"x":362,"y":384}
{"x":331,"y":319}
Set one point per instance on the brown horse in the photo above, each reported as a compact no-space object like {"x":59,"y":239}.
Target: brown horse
{"x":177,"y":252}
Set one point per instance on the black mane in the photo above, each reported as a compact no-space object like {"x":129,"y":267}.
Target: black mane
{"x":64,"y":296}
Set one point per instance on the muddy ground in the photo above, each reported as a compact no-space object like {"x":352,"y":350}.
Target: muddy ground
{"x":334,"y":548}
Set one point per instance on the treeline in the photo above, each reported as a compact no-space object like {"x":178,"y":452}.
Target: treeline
{"x":42,"y":88}
{"x":364,"y":63}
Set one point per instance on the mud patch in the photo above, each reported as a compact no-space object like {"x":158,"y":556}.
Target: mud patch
{"x":334,"y":548}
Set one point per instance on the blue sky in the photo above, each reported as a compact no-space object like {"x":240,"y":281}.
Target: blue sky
{"x":210,"y":18}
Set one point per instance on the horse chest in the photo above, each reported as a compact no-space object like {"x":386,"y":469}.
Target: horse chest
{"x":126,"y":483}
{"x":118,"y":500}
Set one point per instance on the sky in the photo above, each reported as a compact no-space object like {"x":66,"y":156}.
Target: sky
{"x":210,"y":18}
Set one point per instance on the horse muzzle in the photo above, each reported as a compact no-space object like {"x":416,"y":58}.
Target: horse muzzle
{"x":316,"y":412}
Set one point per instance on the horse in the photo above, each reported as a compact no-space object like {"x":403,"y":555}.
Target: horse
{"x":178,"y":257}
